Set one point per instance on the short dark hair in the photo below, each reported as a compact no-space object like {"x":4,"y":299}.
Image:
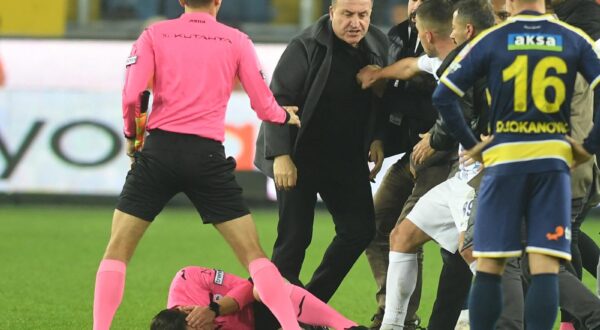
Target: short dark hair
{"x":478,"y":13}
{"x":197,"y":3}
{"x":437,"y":14}
{"x":333,"y":2}
{"x":169,"y":319}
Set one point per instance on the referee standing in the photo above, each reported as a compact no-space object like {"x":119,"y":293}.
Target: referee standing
{"x":193,"y":62}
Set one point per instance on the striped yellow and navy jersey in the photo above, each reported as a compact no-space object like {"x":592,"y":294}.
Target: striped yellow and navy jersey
{"x":531,"y":62}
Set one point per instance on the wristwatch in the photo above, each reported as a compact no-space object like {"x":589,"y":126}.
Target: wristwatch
{"x":216,"y":308}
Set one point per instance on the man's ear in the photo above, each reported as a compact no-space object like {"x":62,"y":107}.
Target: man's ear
{"x":470,"y":31}
{"x":429,"y":36}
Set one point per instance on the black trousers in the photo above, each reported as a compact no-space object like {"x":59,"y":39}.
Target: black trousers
{"x":346,"y":192}
{"x":453,"y":290}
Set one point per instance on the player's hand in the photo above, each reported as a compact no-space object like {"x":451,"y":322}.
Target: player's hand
{"x":422,"y":150}
{"x":199,"y":317}
{"x":368,"y":75}
{"x":130,"y":149}
{"x":294,"y":119}
{"x":469,"y":157}
{"x":285,"y":172}
{"x":376,"y":156}
{"x":580,"y":155}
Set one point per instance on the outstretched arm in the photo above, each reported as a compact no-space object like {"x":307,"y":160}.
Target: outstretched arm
{"x":261,"y":97}
{"x":403,"y":69}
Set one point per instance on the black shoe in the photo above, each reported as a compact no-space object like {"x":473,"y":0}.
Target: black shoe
{"x":358,"y":327}
{"x":414,"y":324}
{"x":377,"y":319}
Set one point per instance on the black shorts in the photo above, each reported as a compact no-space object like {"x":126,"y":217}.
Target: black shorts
{"x":171,"y":163}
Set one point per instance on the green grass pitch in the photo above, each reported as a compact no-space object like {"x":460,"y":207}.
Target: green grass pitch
{"x":49,"y":256}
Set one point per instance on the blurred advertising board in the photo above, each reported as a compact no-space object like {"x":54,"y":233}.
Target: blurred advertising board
{"x":60,"y":117}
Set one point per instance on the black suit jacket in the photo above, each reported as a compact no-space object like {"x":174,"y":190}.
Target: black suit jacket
{"x":299,"y":79}
{"x":407,"y":102}
{"x":584,"y":14}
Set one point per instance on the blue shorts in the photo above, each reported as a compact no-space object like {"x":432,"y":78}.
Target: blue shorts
{"x":543,"y":200}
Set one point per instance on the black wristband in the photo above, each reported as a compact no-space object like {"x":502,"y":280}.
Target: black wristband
{"x":216,"y":308}
{"x":287,"y":117}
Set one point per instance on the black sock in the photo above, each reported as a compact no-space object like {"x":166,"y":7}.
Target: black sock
{"x":485,"y":301}
{"x":541,"y":303}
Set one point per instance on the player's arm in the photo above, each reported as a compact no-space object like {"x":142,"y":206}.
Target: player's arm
{"x":459,"y":77}
{"x":140,"y":67}
{"x":403,"y":69}
{"x":261,"y":97}
{"x":238,"y":297}
{"x":446,"y":101}
{"x":241,"y":294}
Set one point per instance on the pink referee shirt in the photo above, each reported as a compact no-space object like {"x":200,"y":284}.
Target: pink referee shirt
{"x":194,"y":286}
{"x":193,"y":62}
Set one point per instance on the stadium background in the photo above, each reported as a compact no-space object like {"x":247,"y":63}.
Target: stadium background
{"x":63,"y":162}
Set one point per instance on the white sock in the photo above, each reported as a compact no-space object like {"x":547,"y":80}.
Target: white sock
{"x":473,"y":267}
{"x":401,"y":281}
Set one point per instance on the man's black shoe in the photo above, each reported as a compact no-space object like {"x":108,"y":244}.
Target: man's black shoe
{"x":377,"y":318}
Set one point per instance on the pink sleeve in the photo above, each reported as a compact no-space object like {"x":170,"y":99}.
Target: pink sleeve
{"x":140,"y":67}
{"x":242,"y":293}
{"x":251,"y":77}
{"x":190,"y":286}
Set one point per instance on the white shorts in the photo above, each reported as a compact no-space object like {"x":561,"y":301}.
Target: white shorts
{"x":443,"y":212}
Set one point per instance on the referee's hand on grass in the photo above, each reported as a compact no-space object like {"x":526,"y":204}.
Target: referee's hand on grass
{"x":294,"y":119}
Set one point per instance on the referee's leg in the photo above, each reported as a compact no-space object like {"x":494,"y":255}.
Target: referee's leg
{"x":242,"y":236}
{"x":126,"y":232}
